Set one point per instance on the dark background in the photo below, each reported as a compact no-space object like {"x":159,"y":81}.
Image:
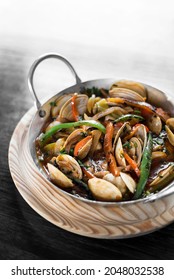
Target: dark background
{"x":23,"y":233}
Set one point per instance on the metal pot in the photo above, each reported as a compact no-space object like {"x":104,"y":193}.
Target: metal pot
{"x":99,"y":219}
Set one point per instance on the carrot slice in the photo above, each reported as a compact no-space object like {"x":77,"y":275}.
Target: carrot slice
{"x":108,"y":150}
{"x":113,"y":168}
{"x":108,"y":138}
{"x":74,"y":108}
{"x":80,"y":145}
{"x":131,"y":134}
{"x":87,"y":173}
{"x":132,"y":163}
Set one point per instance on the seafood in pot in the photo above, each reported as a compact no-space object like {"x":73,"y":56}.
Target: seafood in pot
{"x":108,"y":144}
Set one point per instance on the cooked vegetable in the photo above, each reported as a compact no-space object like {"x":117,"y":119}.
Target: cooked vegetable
{"x":74,"y":109}
{"x":132,"y":163}
{"x":81,"y":144}
{"x":60,"y":126}
{"x":128,"y":117}
{"x":144,"y":168}
{"x":108,"y":144}
{"x":108,"y":149}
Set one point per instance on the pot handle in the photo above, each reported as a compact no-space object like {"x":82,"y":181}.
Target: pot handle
{"x":34,"y":66}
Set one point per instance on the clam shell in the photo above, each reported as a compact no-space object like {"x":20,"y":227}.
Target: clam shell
{"x":129,"y":181}
{"x":141,"y":133}
{"x":83,"y":151}
{"x":117,"y":181}
{"x":55,"y":148}
{"x":68,"y":165}
{"x":96,"y":134}
{"x":104,"y":190}
{"x":91,"y":103}
{"x":158,"y":154}
{"x":125,"y":93}
{"x":154,"y":123}
{"x":116,"y":110}
{"x":66,"y":114}
{"x":73,"y":138}
{"x":132,"y":85}
{"x":58,"y":177}
{"x":119,"y":153}
{"x":60,"y":101}
{"x":170,"y":123}
{"x":170,"y":135}
{"x":163,"y":175}
{"x":136,"y":150}
{"x":125,"y":128}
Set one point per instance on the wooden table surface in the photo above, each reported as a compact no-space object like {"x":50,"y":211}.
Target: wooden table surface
{"x":23,"y":233}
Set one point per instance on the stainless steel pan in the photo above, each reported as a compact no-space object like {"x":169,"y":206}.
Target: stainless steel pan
{"x":142,"y":209}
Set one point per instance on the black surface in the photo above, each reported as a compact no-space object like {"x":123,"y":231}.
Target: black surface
{"x":26,"y":235}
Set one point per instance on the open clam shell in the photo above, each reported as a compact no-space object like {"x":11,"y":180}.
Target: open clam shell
{"x":135,"y":149}
{"x":58,"y":177}
{"x":164,"y":177}
{"x":68,"y":165}
{"x":125,"y":93}
{"x":58,"y":103}
{"x":170,"y":135}
{"x":134,"y":86}
{"x":155,"y":124}
{"x":66,"y":113}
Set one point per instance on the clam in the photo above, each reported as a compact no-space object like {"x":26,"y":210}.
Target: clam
{"x":58,"y":177}
{"x":135,"y":86}
{"x":119,"y":153}
{"x":91,"y":103}
{"x":141,"y":134}
{"x":158,"y":155}
{"x":163,"y":178}
{"x":170,"y":135}
{"x":104,"y":190}
{"x":66,"y":113}
{"x":170,"y":123}
{"x":100,"y":106}
{"x":55,"y":148}
{"x":58,"y":103}
{"x":170,"y":130}
{"x":123,"y":130}
{"x":73,"y":138}
{"x":96,"y":134}
{"x":68,"y":165}
{"x":135,"y":150}
{"x":126,"y":93}
{"x":117,"y":181}
{"x":154,"y":123}
{"x":83,"y":147}
{"x":118,"y":111}
{"x":129,"y":181}
{"x":49,"y":148}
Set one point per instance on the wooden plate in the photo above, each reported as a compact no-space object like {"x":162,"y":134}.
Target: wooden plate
{"x":87,"y":218}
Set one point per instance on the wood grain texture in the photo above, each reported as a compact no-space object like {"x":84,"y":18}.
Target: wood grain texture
{"x":106,"y":220}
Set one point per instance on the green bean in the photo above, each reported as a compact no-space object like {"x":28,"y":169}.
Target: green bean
{"x":128,"y":117}
{"x":144,"y":168}
{"x":43,"y":137}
